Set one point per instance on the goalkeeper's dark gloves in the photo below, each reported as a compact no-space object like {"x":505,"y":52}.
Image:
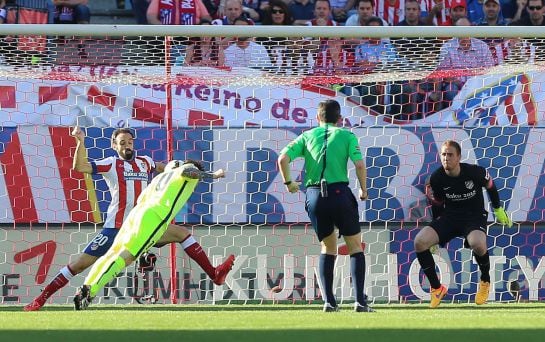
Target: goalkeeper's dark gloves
{"x":502,"y":217}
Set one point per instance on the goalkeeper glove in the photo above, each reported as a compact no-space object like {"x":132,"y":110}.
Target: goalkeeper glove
{"x":502,"y":217}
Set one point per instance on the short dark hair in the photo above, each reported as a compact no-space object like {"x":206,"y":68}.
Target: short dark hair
{"x":242,"y":18}
{"x":329,"y":111}
{"x":370,"y":1}
{"x":454,"y":144}
{"x":122,"y":130}
{"x":196,"y":163}
{"x":376,"y":20}
{"x":328,"y":3}
{"x":542,"y":3}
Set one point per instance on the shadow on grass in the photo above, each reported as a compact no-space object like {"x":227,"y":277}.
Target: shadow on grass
{"x":375,"y":335}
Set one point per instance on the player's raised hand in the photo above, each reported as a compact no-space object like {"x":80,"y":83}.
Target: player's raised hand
{"x":78,"y":134}
{"x":502,"y":217}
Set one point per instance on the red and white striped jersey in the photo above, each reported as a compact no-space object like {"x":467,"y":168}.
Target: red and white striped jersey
{"x":391,"y":13}
{"x":442,"y":18}
{"x":324,"y":61}
{"x":514,"y":50}
{"x":126,"y":179}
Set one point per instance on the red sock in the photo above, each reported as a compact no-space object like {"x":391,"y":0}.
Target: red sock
{"x":57,"y":283}
{"x":195,"y":252}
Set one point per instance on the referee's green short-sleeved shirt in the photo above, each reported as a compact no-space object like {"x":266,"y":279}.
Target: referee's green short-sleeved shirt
{"x":341,"y":146}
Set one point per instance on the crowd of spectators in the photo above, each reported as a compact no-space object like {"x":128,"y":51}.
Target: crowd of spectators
{"x":327,"y":56}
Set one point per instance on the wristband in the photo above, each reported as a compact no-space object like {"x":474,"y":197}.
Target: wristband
{"x":287,"y":182}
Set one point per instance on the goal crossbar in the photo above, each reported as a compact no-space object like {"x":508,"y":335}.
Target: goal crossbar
{"x":273,"y":31}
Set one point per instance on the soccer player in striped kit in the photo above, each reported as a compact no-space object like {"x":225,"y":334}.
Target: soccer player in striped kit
{"x":126,"y":176}
{"x":146,"y":224}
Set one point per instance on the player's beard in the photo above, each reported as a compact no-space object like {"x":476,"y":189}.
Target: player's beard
{"x":127,"y":154}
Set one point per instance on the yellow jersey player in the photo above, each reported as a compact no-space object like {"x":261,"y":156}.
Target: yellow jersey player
{"x":146,"y":223}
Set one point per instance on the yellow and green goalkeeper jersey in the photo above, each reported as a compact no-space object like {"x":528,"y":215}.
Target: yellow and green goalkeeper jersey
{"x":167,"y":193}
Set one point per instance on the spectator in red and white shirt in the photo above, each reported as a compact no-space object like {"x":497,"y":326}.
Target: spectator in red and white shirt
{"x":127,"y":176}
{"x":326,"y":53}
{"x":515,"y":51}
{"x":445,"y":12}
{"x":176,"y":12}
{"x":392,"y":11}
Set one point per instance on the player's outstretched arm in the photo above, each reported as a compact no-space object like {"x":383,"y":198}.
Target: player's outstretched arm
{"x":214,"y":175}
{"x":80,"y":162}
{"x":193,"y":171}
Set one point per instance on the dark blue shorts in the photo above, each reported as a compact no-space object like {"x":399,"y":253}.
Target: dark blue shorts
{"x":101,"y":242}
{"x":448,"y":227}
{"x":339,"y":209}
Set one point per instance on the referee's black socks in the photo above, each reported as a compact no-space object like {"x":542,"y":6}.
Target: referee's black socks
{"x":357,"y":268}
{"x":327,"y":270}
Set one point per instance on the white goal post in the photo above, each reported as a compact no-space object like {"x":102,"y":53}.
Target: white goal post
{"x":397,"y":99}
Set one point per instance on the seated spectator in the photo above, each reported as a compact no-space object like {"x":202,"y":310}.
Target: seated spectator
{"x":213,"y":7}
{"x":365,"y":9}
{"x":322,"y":14}
{"x":71,"y":12}
{"x":3,"y":12}
{"x":412,"y":14}
{"x":176,"y":12}
{"x":203,"y":51}
{"x":375,"y":55}
{"x":421,"y":52}
{"x":535,"y":10}
{"x":284,"y":51}
{"x":459,"y":54}
{"x":335,"y":57}
{"x":302,"y":11}
{"x":252,"y":9}
{"x":342,"y":9}
{"x":509,"y":9}
{"x":515,"y":51}
{"x":277,"y":13}
{"x":391,"y":11}
{"x":520,"y":11}
{"x":441,"y":16}
{"x":231,"y":10}
{"x":491,"y":14}
{"x":139,"y":9}
{"x":325,"y":52}
{"x":245,"y":52}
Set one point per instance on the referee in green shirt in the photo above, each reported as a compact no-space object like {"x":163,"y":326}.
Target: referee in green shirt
{"x":329,"y":200}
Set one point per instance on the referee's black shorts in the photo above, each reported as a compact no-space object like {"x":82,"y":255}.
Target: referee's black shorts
{"x":450,"y":226}
{"x":339,"y":209}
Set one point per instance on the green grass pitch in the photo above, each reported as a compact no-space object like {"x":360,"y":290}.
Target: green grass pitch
{"x":275,"y":322}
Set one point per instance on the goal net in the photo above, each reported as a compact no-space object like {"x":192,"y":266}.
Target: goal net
{"x":215,"y":94}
